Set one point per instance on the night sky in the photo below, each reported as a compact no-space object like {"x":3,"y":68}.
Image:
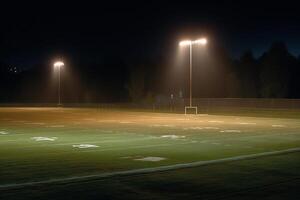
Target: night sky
{"x":31,"y":33}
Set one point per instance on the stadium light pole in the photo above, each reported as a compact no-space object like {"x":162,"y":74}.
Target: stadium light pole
{"x":58,"y":65}
{"x":190,"y":43}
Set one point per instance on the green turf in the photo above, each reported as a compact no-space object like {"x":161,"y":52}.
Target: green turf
{"x":123,"y":136}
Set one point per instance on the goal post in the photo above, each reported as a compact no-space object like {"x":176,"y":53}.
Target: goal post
{"x":186,"y":108}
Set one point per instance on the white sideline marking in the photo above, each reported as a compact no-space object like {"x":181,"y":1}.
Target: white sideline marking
{"x":3,"y":133}
{"x":150,"y":169}
{"x":231,"y":131}
{"x":173,"y":136}
{"x":151,"y":159}
{"x":44,"y":138}
{"x":84,"y":146}
{"x":278,"y":125}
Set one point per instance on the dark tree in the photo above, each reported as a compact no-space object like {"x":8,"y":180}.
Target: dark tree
{"x":276,"y":72}
{"x":248,"y":75}
{"x":136,"y":85}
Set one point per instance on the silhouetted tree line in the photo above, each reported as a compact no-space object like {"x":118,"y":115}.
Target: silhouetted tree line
{"x":272,"y":75}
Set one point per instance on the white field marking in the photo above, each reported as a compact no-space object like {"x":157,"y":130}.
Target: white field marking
{"x":247,"y":123}
{"x":216,"y":143}
{"x":162,"y":125}
{"x":107,"y":140}
{"x":107,"y":131}
{"x":126,"y":122}
{"x":213,"y":128}
{"x":84,"y":146}
{"x":12,"y":135}
{"x":10,"y":140}
{"x":149,"y":170}
{"x":4,"y":133}
{"x":20,"y":121}
{"x":107,"y":121}
{"x":182,"y":119}
{"x":89,"y":119}
{"x":126,"y":157}
{"x":140,"y":147}
{"x":204,"y":141}
{"x":91,"y":142}
{"x":192,"y":128}
{"x":6,"y":119}
{"x":278,"y":125}
{"x":103,"y":140}
{"x":44,"y":138}
{"x":215,"y":121}
{"x":56,"y":126}
{"x":151,"y":159}
{"x":173,"y":136}
{"x":231,"y":131}
{"x":194,"y":141}
{"x":129,"y":157}
{"x":35,"y":123}
{"x":202,"y":115}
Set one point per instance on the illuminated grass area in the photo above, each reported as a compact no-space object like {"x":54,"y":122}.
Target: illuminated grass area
{"x":40,"y":144}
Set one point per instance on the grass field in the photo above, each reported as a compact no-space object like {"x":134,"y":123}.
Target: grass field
{"x":61,"y":153}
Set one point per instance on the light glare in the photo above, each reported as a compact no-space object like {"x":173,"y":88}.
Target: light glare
{"x":185,"y":43}
{"x":58,"y":64}
{"x":201,"y":41}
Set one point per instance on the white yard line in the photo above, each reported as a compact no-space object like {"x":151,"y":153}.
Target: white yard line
{"x":150,"y":169}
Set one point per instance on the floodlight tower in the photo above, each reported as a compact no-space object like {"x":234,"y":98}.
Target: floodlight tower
{"x":190,"y":43}
{"x":58,"y":65}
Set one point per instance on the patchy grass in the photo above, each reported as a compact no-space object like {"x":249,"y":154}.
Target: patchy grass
{"x":43,"y":144}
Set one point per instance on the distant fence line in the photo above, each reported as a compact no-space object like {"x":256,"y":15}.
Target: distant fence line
{"x":178,"y":104}
{"x":248,"y":103}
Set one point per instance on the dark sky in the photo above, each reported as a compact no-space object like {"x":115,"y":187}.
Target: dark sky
{"x":137,"y":31}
